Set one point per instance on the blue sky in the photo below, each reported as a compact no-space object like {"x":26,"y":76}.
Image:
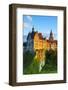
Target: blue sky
{"x":43,"y":24}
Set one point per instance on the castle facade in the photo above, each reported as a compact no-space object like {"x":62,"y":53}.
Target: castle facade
{"x":35,"y":41}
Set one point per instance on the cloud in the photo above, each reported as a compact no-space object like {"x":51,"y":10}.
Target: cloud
{"x":27,"y":25}
{"x":29,"y":18}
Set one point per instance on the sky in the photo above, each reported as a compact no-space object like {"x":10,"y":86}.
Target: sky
{"x":42,"y":24}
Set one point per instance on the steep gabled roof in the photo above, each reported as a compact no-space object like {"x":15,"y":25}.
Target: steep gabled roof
{"x":53,"y":41}
{"x":40,"y":36}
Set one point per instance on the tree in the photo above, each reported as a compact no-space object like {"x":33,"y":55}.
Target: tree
{"x":27,"y":59}
{"x":30,"y":64}
{"x":51,"y":57}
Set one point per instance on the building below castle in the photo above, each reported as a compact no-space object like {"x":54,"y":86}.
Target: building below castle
{"x":36,"y":43}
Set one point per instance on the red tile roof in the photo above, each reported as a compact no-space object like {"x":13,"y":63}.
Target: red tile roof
{"x":40,"y":36}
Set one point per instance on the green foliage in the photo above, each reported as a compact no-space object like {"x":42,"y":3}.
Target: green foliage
{"x":27,"y":59}
{"x":31,"y":64}
{"x":51,"y":62}
{"x":33,"y":68}
{"x":51,"y":57}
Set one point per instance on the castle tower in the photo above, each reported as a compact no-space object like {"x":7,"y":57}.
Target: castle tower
{"x":51,"y":36}
{"x":33,"y":29}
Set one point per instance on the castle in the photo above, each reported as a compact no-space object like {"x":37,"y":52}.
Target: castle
{"x":36,"y":43}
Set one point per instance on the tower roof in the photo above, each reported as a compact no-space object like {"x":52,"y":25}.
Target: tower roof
{"x":51,"y":36}
{"x":51,"y":33}
{"x":31,"y":34}
{"x":33,"y":29}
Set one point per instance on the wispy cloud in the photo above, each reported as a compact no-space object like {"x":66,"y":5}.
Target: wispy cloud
{"x":29,"y":18}
{"x":27,"y":25}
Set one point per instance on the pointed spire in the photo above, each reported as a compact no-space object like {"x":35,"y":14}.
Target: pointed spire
{"x":51,"y":32}
{"x":33,"y":29}
{"x":51,"y":36}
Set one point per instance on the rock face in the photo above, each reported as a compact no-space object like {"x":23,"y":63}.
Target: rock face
{"x":40,"y":56}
